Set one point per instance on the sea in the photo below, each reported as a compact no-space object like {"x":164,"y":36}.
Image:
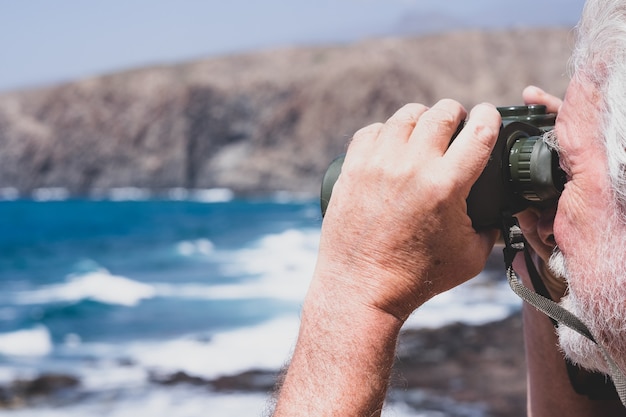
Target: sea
{"x":119,"y":287}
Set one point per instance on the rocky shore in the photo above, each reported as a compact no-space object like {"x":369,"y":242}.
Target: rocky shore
{"x":452,"y":370}
{"x":483,"y":366}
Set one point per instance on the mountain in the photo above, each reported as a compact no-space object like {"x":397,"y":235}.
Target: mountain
{"x":256,"y":122}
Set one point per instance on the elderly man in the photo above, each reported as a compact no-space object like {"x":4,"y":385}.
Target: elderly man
{"x":396,"y":233}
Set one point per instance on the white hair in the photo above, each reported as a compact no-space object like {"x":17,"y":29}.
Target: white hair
{"x":600,"y":57}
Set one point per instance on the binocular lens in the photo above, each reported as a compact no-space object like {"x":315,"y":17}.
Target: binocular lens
{"x":534,"y":169}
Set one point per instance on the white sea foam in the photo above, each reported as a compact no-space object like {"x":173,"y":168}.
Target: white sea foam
{"x":177,"y":194}
{"x":281,"y":265}
{"x":276,"y":266}
{"x":475,"y":302}
{"x":99,"y":286}
{"x":266,"y":346}
{"x":286,"y":197}
{"x":9,"y":193}
{"x":282,"y":262}
{"x":157,"y":402}
{"x":35,"y":341}
{"x":50,"y":194}
{"x":129,"y":194}
{"x":195,"y":247}
{"x":208,"y":195}
{"x":108,"y":374}
{"x":212,"y":195}
{"x":182,"y":401}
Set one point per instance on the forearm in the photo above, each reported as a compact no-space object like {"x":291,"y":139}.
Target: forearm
{"x":342,"y":361}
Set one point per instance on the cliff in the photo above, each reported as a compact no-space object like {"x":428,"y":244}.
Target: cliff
{"x":257,"y":122}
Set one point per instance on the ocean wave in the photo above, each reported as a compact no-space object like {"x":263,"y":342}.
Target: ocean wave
{"x":9,"y":194}
{"x":212,"y":195}
{"x":129,"y":194}
{"x":284,"y":254}
{"x":208,"y":195}
{"x":50,"y":194}
{"x":278,"y":265}
{"x":35,"y":341}
{"x":153,"y":402}
{"x":202,"y":247}
{"x":265,"y":346}
{"x":183,"y":402}
{"x":478,"y":301}
{"x":100,"y":286}
{"x":288,"y":197}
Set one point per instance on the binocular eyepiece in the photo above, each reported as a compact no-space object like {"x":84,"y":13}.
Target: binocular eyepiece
{"x":522,"y":170}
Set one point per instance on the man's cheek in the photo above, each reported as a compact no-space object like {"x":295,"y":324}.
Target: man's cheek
{"x":528,"y":222}
{"x":562,"y":226}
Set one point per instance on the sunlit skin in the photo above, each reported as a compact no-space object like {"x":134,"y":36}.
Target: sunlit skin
{"x":587,"y":197}
{"x":375,"y":265}
{"x":374,"y":268}
{"x":549,"y":388}
{"x":582,"y":157}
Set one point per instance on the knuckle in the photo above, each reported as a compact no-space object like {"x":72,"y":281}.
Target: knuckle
{"x":407,"y":115}
{"x":411,"y":109}
{"x":440,"y":120}
{"x":366,"y":133}
{"x":483,"y":135}
{"x":446,"y":115}
{"x":484,"y":132}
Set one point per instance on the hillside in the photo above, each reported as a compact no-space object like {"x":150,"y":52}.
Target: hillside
{"x":257,"y":122}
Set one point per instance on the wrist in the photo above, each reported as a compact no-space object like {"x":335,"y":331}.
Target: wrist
{"x":364,"y":286}
{"x":345,"y":304}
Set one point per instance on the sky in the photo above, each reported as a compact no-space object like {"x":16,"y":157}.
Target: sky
{"x":50,"y":41}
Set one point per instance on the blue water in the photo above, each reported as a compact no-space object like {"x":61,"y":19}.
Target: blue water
{"x":113,"y":291}
{"x":43,"y":243}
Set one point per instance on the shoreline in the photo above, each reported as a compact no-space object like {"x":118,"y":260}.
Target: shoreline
{"x":456,"y":367}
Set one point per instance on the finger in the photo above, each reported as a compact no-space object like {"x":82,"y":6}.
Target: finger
{"x":401,"y":124}
{"x":367,"y":133}
{"x":364,"y":137}
{"x":436,"y":127}
{"x":535,"y":95}
{"x":470,"y":151}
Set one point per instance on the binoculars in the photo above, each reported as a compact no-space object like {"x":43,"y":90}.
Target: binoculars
{"x":522,"y":170}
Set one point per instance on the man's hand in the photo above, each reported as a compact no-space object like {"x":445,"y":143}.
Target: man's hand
{"x":396,"y":231}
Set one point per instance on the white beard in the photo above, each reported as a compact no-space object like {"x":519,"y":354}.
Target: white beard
{"x":597,"y":296}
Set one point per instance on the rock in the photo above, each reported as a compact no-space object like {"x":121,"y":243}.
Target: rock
{"x":22,"y":391}
{"x":253,"y":380}
{"x":248,"y":381}
{"x":257,"y":122}
{"x":480,"y":365}
{"x":176,"y":378}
